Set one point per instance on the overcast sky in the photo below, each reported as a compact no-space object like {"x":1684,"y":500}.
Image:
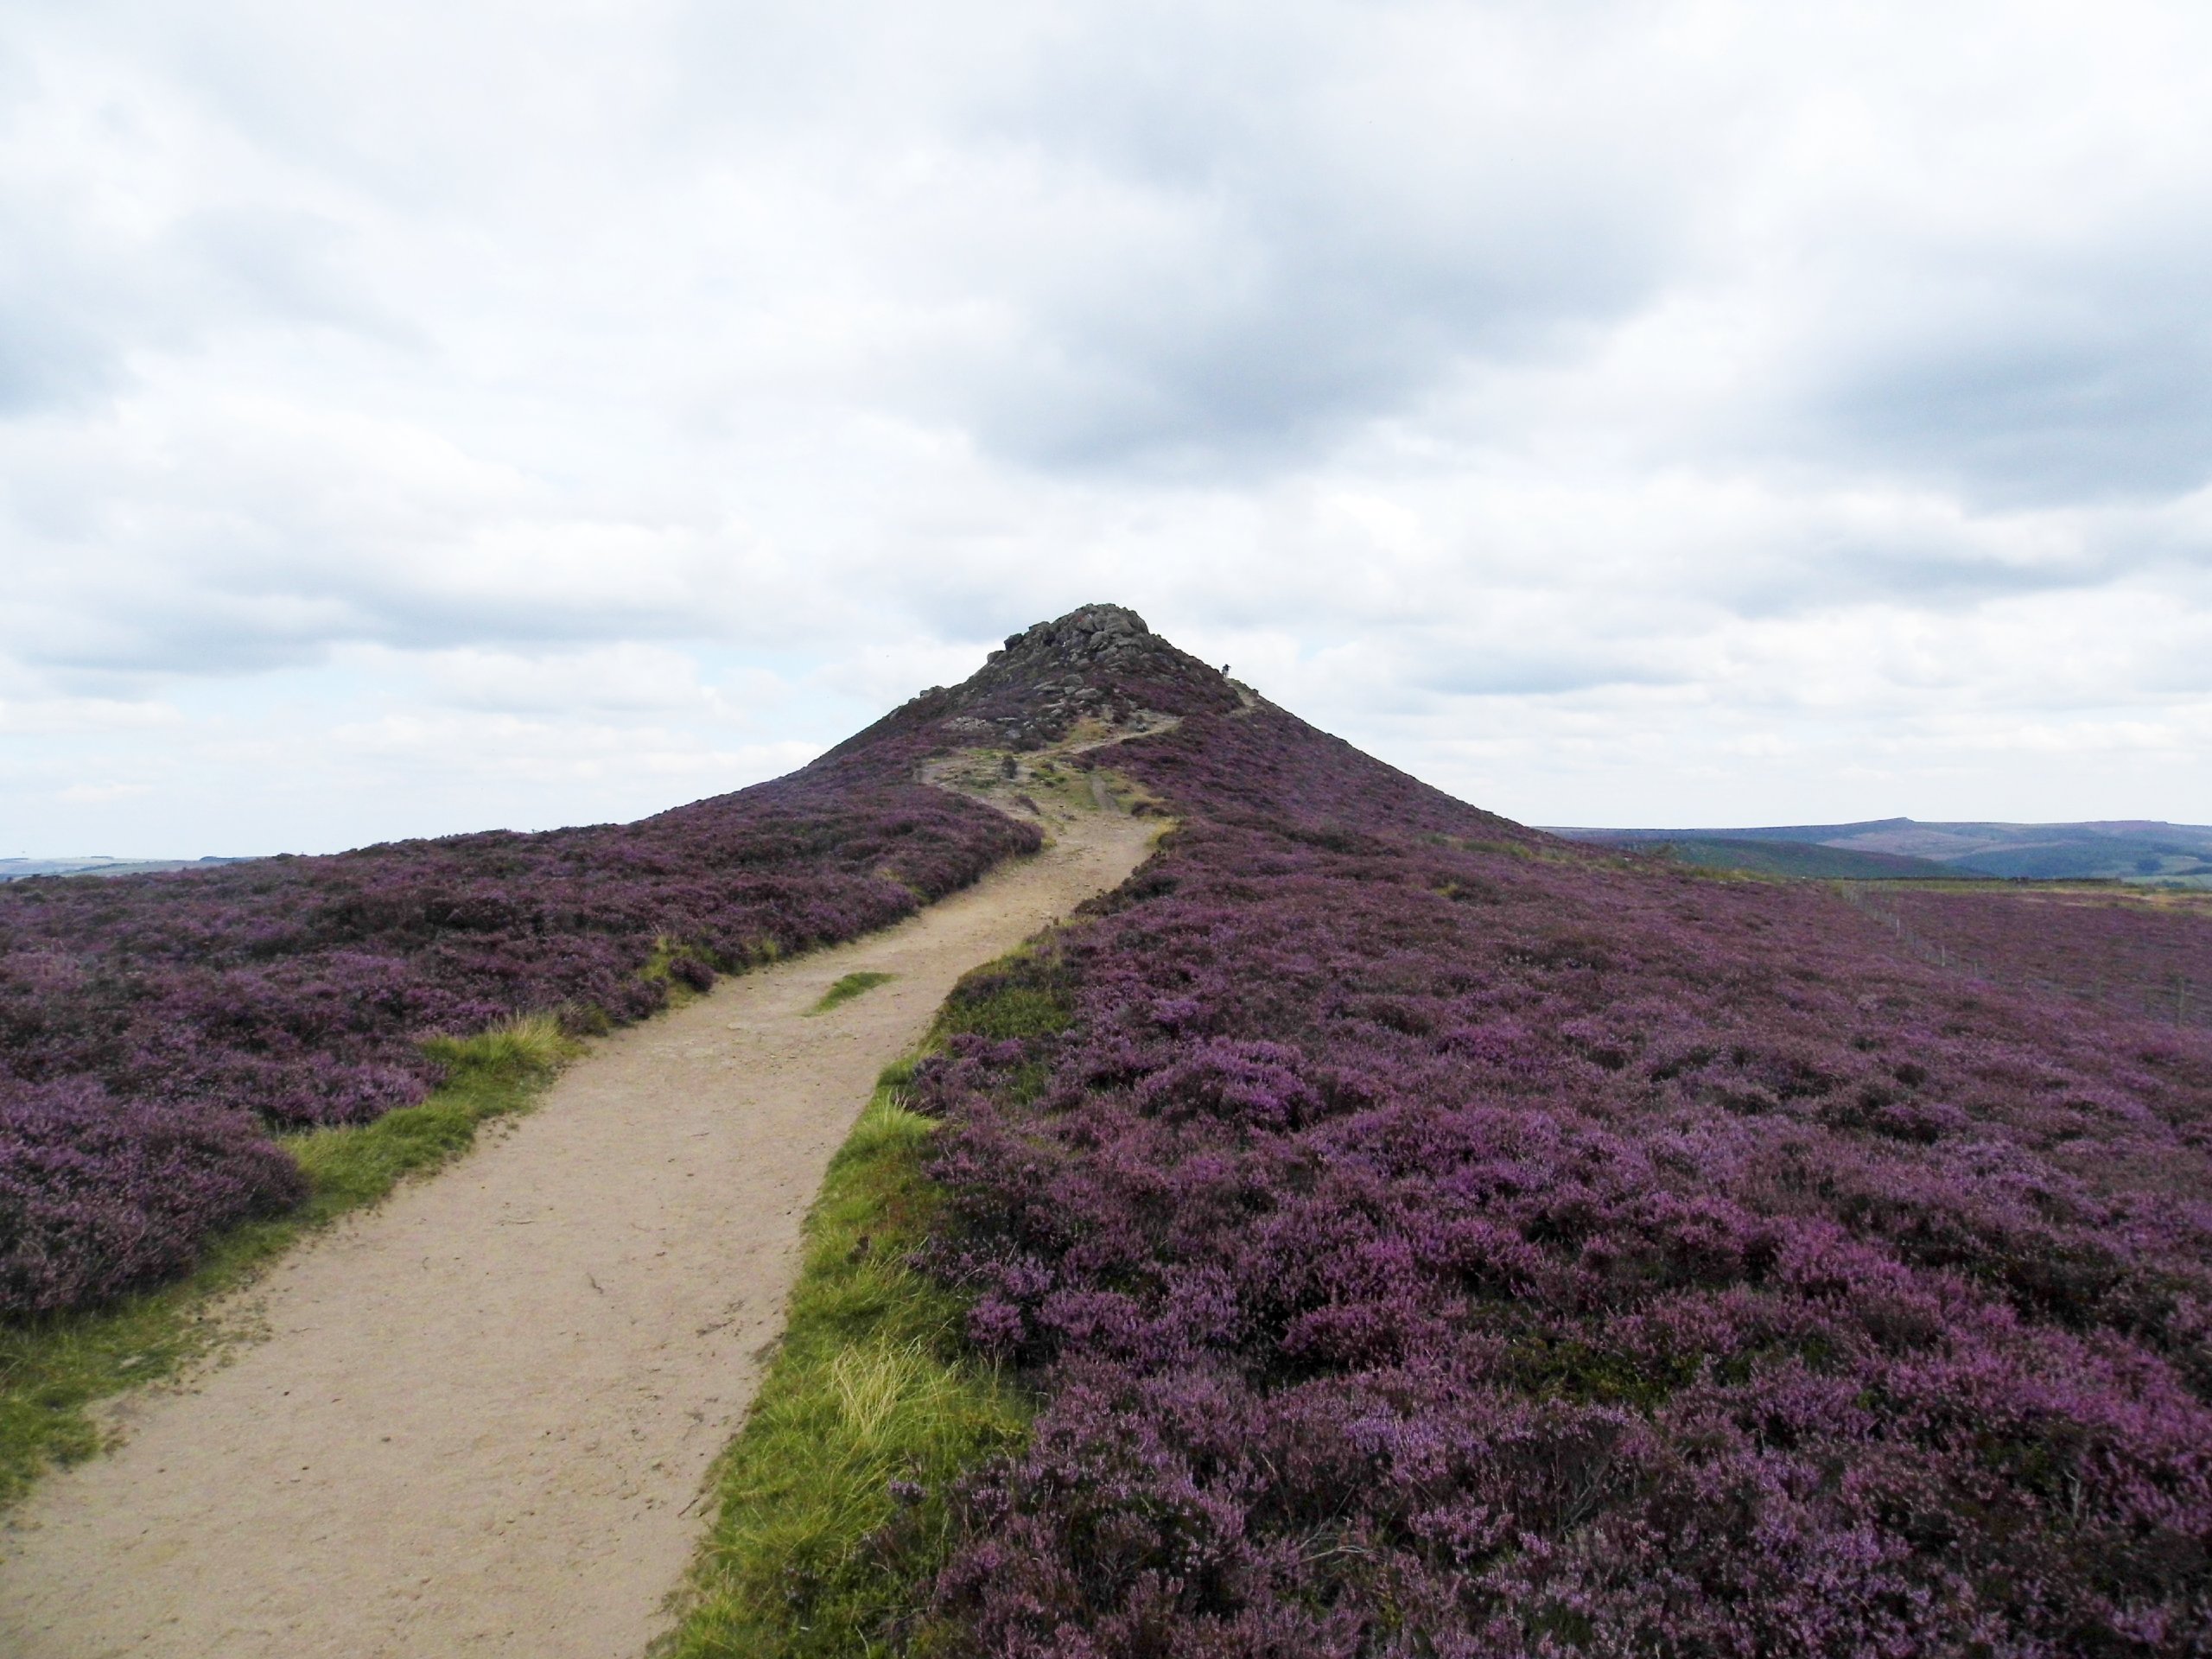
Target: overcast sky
{"x":421,"y":417}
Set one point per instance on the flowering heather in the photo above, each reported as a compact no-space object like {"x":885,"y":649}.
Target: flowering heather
{"x":151,"y":1026}
{"x":97,"y":1195}
{"x":2152,"y":955}
{"x":1428,"y":1239}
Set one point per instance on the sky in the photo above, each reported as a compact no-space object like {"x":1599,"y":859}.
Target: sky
{"x":420,"y":418}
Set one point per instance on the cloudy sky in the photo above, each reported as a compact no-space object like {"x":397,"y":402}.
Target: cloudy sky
{"x":418,"y":417}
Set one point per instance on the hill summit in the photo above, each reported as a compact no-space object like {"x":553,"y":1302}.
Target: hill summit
{"x":1098,"y":663}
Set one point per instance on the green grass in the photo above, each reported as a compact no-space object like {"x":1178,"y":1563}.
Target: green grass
{"x":850,"y":986}
{"x":52,"y":1370}
{"x":1016,"y":1011}
{"x":811,"y":1554}
{"x":1020,"y":995}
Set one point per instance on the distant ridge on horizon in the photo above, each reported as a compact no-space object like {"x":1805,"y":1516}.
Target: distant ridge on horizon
{"x":18,"y":869}
{"x":2112,"y":850}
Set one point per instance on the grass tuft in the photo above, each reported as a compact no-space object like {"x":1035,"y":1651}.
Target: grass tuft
{"x":53,"y":1369}
{"x":814,"y":1553}
{"x":850,"y":986}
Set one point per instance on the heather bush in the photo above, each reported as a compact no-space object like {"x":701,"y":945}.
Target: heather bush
{"x":98,"y":1196}
{"x":153,"y":1029}
{"x":1426,"y":1239}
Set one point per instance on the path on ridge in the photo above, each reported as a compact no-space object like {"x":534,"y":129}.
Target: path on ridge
{"x":481,"y":1418}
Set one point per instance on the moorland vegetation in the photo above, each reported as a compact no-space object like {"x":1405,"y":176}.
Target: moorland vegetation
{"x":1416,"y":1235}
{"x":158,"y":1033}
{"x":2144,"y":952}
{"x":1378,"y":1228}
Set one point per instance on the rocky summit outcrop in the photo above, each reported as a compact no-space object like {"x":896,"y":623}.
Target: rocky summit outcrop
{"x":1100,"y":663}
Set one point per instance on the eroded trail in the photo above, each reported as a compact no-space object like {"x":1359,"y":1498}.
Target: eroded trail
{"x":482,"y":1415}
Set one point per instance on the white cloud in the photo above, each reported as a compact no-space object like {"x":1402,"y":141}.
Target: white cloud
{"x":1699,"y":410}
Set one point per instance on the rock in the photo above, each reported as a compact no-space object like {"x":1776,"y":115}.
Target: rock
{"x":1098,"y":661}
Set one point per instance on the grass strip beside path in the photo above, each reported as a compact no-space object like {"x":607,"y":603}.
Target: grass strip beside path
{"x":833,"y":1518}
{"x":850,"y":986}
{"x":52,"y":1370}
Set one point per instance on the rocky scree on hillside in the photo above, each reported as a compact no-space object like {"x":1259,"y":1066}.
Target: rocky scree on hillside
{"x":1100,"y":663}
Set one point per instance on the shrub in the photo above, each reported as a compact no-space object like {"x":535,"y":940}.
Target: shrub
{"x":99,"y":1197}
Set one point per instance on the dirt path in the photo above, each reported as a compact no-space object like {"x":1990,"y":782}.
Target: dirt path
{"x":483,"y":1414}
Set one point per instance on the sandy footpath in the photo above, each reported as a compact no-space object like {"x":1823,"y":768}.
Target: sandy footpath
{"x":482,"y":1419}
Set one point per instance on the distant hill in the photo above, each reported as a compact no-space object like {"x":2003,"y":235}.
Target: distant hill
{"x":16,"y":870}
{"x":2113,"y":850}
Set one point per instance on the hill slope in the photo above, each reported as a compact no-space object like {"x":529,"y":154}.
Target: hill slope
{"x":154,"y":1028}
{"x":1424,"y":1236}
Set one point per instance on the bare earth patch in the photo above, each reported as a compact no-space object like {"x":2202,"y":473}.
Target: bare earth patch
{"x":483,"y":1414}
